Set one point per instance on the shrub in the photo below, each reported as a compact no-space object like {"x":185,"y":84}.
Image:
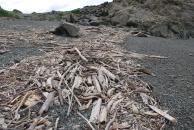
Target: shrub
{"x":5,"y":13}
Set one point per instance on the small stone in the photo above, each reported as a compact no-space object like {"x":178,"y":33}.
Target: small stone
{"x":76,"y":127}
{"x":94,"y":23}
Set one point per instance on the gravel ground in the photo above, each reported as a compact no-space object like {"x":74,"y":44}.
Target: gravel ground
{"x":22,"y":25}
{"x":25,"y":38}
{"x":20,"y":47}
{"x":174,"y":80}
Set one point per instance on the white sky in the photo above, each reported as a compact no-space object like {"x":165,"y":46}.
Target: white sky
{"x":29,"y":6}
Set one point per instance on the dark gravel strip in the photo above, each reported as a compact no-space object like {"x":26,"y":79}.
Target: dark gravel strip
{"x":174,"y":81}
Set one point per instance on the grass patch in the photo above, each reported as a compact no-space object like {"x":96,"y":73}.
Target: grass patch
{"x":5,"y":13}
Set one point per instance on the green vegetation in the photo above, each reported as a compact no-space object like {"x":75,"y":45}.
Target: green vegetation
{"x":75,"y":11}
{"x":39,"y":16}
{"x":55,"y":15}
{"x":5,"y":13}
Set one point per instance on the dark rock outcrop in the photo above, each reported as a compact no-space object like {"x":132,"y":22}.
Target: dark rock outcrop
{"x":98,"y":11}
{"x":67,"y":29}
{"x":163,"y":18}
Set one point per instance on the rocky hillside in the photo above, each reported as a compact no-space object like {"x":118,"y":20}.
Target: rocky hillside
{"x":164,"y":18}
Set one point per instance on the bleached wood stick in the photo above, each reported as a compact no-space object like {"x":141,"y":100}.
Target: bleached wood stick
{"x":164,"y":114}
{"x":21,"y":103}
{"x":103,"y":114}
{"x":69,"y":67}
{"x":142,"y":90}
{"x":110,"y":122}
{"x":71,"y":98}
{"x":59,"y":90}
{"x":89,"y":80}
{"x":110,"y":104}
{"x":149,"y":113}
{"x":155,"y":56}
{"x":95,"y":111}
{"x":87,"y":121}
{"x":70,"y":103}
{"x":84,"y":107}
{"x":72,"y":73}
{"x":79,"y":53}
{"x":114,"y":99}
{"x":101,"y":79}
{"x":47,"y":103}
{"x":108,"y":73}
{"x":114,"y":105}
{"x":96,"y":83}
{"x":77,"y":82}
{"x":40,"y":127}
{"x":49,"y":82}
{"x":33,"y":124}
{"x":40,"y":121}
{"x":147,"y":99}
{"x":117,"y":96}
{"x":56,"y":123}
{"x":77,"y":100}
{"x":59,"y":74}
{"x":110,"y":92}
{"x":141,"y":56}
{"x":134,"y":109}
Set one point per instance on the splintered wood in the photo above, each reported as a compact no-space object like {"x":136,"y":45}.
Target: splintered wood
{"x":97,"y":82}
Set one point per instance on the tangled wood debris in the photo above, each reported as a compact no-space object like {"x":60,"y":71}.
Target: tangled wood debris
{"x":97,"y":79}
{"x":89,"y":80}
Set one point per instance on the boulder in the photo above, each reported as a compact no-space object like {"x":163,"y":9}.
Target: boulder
{"x":94,"y":21}
{"x":169,"y":30}
{"x":120,"y":17}
{"x":160,"y":30}
{"x":98,"y":11}
{"x":67,"y":29}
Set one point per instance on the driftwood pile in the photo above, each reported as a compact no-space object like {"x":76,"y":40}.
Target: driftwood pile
{"x":97,"y":83}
